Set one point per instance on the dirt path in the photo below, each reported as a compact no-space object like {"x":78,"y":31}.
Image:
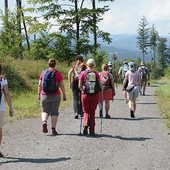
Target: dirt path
{"x":142,"y":143}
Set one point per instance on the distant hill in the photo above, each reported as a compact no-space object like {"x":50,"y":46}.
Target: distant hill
{"x":124,"y":46}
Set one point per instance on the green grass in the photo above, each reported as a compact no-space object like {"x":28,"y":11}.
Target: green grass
{"x":163,"y":96}
{"x":24,"y":99}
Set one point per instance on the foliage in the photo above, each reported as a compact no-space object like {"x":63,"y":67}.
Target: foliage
{"x":143,"y":36}
{"x":163,"y":53}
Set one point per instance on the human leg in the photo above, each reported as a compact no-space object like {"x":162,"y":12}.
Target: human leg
{"x":107,"y":107}
{"x":55,"y":103}
{"x":1,"y":133}
{"x":93,"y":106}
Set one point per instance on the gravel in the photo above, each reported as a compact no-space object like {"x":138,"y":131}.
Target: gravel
{"x":142,"y":143}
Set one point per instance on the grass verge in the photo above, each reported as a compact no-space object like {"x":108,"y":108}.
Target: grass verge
{"x":163,"y":96}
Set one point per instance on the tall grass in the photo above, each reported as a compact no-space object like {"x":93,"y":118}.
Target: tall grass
{"x":163,"y":95}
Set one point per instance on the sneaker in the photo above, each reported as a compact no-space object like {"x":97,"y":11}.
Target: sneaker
{"x":132,"y":114}
{"x":107,"y":116}
{"x":76,"y":117}
{"x":45,"y":130}
{"x":54,"y":133}
{"x":85,"y":131}
{"x":1,"y":155}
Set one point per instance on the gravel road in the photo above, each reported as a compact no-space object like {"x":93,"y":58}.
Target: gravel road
{"x":142,"y":143}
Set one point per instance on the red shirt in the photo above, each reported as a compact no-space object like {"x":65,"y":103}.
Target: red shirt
{"x":58,"y":77}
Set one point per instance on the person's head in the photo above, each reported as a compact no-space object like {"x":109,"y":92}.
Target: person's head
{"x":79,"y":59}
{"x":110,"y":64}
{"x":125,"y":62}
{"x":52,"y":62}
{"x":90,"y":63}
{"x":142,"y":64}
{"x":132,"y":66}
{"x":105,"y":67}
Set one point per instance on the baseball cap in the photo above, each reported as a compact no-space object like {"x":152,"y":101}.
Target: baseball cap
{"x":91,"y":62}
{"x":131,"y":64}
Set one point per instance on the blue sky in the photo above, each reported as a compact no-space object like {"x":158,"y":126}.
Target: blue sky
{"x":125,"y":15}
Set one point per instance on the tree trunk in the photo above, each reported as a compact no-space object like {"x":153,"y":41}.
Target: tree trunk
{"x":94,"y":28}
{"x":18,"y":2}
{"x":77,"y":27}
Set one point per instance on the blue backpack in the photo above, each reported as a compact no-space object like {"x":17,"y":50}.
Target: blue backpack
{"x":49,"y":84}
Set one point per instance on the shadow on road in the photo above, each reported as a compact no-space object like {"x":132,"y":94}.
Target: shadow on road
{"x":132,"y":138}
{"x":34,"y":160}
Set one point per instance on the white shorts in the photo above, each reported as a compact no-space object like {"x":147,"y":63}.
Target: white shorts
{"x":134,"y":93}
{"x":2,"y":114}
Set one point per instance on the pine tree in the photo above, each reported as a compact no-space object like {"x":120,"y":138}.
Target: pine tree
{"x":143,"y":37}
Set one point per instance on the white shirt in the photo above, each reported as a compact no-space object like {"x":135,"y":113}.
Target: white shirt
{"x":2,"y":103}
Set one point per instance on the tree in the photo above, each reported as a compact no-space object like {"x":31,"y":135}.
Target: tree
{"x":143,"y":37}
{"x":153,"y":42}
{"x":163,"y":53}
{"x":71,"y":16}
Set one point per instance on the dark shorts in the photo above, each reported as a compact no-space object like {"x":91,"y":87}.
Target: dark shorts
{"x":50,"y":104}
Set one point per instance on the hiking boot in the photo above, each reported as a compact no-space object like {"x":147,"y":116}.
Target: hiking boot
{"x":100,"y":114}
{"x":54,"y":133}
{"x":85,"y":131}
{"x":1,"y":155}
{"x":76,"y":117}
{"x":45,"y":130}
{"x":107,"y":116}
{"x":132,"y":114}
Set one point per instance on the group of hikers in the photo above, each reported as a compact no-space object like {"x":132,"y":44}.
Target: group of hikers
{"x":89,"y":87}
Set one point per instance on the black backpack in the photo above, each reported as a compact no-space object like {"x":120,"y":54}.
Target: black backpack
{"x":49,"y":84}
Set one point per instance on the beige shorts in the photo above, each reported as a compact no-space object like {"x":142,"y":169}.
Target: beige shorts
{"x":2,"y":114}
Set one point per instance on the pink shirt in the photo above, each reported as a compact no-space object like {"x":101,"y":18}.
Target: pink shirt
{"x":58,"y":77}
{"x":133,"y":78}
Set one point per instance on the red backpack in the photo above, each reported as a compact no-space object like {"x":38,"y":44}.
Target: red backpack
{"x":105,"y":80}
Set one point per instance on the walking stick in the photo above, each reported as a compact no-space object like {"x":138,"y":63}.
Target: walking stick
{"x":81,"y":123}
{"x":101,"y":112}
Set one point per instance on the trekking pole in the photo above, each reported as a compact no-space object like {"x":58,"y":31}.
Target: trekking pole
{"x":101,"y":116}
{"x":81,"y":123}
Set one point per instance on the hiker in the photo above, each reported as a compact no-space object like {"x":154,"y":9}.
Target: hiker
{"x":122,"y":71}
{"x":90,"y":85}
{"x":132,"y":76}
{"x":73,"y":82}
{"x":145,"y":77}
{"x":108,"y":90}
{"x":50,"y":96}
{"x":4,"y":93}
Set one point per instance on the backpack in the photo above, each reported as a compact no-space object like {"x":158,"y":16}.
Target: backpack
{"x":49,"y":84}
{"x":125,"y":68}
{"x":91,"y":84}
{"x":143,"y":71}
{"x":105,"y":81}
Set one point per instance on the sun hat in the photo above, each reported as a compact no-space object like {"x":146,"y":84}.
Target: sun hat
{"x":125,"y":62}
{"x":91,"y":62}
{"x":142,"y":63}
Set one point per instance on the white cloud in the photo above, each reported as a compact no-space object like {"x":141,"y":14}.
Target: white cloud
{"x":125,"y":16}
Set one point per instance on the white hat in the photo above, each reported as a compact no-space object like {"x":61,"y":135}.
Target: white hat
{"x":91,"y":62}
{"x":109,"y":63}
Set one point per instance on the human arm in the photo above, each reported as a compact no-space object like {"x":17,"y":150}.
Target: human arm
{"x":125,"y":81}
{"x":8,"y":99}
{"x":62,"y":87}
{"x":39,"y":89}
{"x":70,"y":77}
